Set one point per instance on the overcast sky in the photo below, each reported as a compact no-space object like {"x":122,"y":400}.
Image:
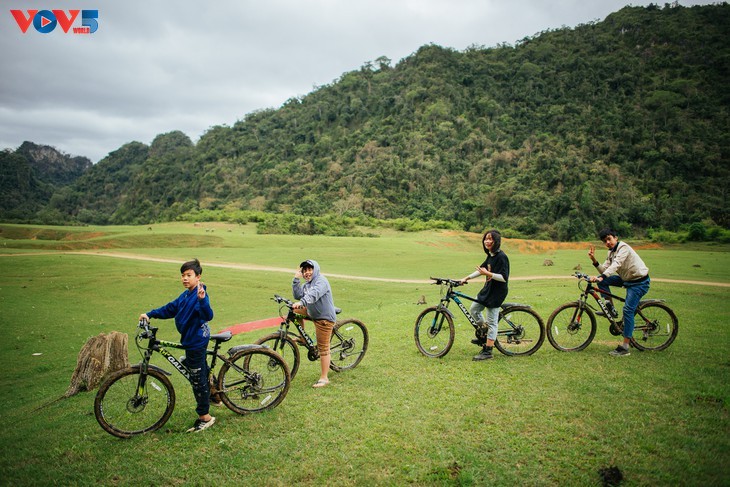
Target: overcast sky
{"x":154,"y":66}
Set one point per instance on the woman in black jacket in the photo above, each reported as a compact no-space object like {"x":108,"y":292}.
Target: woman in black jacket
{"x":493,"y":294}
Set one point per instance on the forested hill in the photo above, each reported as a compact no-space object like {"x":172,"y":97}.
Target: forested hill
{"x":622,"y":122}
{"x":30,"y":175}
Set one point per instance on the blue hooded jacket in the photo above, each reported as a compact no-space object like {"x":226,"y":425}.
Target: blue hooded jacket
{"x":191,"y":318}
{"x":316,"y":295}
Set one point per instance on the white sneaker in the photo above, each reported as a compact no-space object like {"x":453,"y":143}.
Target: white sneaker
{"x":200,"y":425}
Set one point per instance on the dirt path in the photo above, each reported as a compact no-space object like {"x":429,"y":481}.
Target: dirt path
{"x":256,"y":267}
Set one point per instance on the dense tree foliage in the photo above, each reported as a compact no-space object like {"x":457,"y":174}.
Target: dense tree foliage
{"x":622,"y":122}
{"x":29,"y":177}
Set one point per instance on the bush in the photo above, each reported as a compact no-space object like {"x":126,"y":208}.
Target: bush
{"x":664,"y":236}
{"x":697,"y":232}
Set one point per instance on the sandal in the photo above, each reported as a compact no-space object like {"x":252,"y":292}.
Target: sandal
{"x":320,"y":383}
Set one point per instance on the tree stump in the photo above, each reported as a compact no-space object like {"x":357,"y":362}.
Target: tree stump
{"x":100,"y":355}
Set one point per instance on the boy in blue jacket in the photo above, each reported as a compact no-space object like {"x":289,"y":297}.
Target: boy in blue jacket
{"x":192,"y":312}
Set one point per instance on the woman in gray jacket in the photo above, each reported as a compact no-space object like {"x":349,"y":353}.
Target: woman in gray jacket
{"x":316,"y":301}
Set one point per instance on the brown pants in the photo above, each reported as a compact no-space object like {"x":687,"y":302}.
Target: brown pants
{"x":323,"y":329}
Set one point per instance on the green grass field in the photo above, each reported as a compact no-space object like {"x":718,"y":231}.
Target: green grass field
{"x":399,"y":418}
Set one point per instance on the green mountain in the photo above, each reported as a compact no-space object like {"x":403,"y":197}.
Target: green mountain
{"x":30,"y":175}
{"x":622,"y":122}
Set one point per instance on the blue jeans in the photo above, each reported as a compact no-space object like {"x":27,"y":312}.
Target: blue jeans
{"x":196,"y":362}
{"x":634,"y":292}
{"x":492,"y":318}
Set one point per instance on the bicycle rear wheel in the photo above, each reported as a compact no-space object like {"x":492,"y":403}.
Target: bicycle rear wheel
{"x":655,"y":327}
{"x":434,"y":332}
{"x":567,"y":329}
{"x":130,"y":403}
{"x":253,"y":380}
{"x":348,"y":344}
{"x":520,"y":331}
{"x":286,"y":347}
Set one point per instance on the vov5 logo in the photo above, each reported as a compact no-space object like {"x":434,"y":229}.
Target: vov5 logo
{"x":45,"y":21}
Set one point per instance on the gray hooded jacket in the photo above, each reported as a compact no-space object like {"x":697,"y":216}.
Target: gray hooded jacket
{"x":315,"y":295}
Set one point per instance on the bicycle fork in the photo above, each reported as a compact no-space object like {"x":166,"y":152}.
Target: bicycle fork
{"x":138,"y":401}
{"x":576,"y":321}
{"x":438,"y":319}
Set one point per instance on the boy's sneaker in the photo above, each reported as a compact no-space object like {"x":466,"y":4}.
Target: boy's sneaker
{"x":200,"y":425}
{"x":215,"y":400}
{"x":620,"y":352}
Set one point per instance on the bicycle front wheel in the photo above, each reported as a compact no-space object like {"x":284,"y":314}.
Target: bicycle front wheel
{"x":286,"y":347}
{"x":254,"y":380}
{"x":655,"y":327}
{"x":348,"y":344}
{"x":130,"y":403}
{"x":434,"y":332}
{"x":567,"y":329}
{"x":520,"y":331}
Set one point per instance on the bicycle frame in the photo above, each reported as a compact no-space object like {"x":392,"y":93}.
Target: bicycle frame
{"x":597,"y":293}
{"x":454,"y":296}
{"x":298,"y":321}
{"x":156,"y":345}
{"x":299,"y":324}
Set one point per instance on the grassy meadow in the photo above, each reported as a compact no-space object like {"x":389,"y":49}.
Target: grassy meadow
{"x":397,"y":419}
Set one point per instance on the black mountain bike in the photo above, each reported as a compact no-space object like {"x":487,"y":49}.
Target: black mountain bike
{"x":141,"y":398}
{"x":348,"y":344}
{"x":655,"y":328}
{"x":520,"y":330}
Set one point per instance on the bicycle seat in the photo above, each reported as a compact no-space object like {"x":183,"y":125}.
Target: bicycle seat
{"x":222,"y":337}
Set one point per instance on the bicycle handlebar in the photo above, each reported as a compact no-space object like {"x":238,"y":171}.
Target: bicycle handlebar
{"x":445,"y":280}
{"x":580,"y":275}
{"x":147,"y":330}
{"x":280,"y":299}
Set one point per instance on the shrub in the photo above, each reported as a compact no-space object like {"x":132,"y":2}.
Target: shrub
{"x":697,"y":232}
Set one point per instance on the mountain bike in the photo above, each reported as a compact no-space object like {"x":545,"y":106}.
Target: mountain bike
{"x":140,"y":399}
{"x":520,"y":330}
{"x":348,"y":344}
{"x":656,"y":325}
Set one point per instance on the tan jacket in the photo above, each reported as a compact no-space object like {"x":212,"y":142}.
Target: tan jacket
{"x":624,"y":261}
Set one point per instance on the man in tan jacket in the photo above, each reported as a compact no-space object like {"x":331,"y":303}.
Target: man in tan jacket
{"x":623,"y":267}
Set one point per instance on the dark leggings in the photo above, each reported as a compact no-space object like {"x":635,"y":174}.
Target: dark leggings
{"x":195,"y":361}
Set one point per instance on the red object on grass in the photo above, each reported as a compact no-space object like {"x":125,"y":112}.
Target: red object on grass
{"x":253,"y":325}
